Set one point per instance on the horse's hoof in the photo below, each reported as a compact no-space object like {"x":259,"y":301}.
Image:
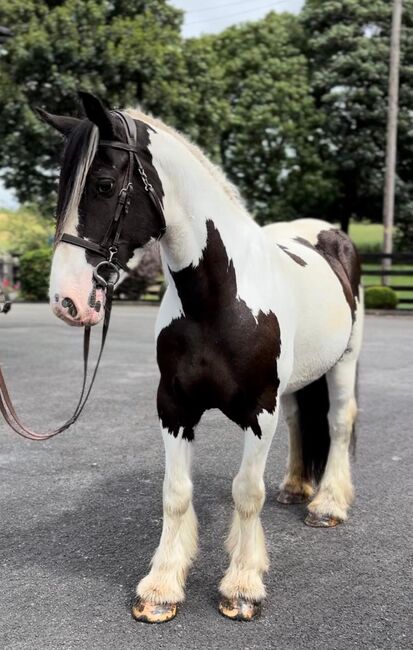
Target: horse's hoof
{"x":321,"y":521}
{"x":286,"y":498}
{"x":239,"y":609}
{"x":147,"y":612}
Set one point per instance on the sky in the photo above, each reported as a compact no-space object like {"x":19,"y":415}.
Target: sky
{"x":203,"y":17}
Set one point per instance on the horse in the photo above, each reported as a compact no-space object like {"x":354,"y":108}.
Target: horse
{"x":254,"y":320}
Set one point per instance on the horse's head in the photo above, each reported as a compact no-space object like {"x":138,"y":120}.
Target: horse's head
{"x":103,"y":205}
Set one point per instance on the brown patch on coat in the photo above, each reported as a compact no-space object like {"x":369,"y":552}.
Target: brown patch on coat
{"x":217,"y":355}
{"x":303,"y":241}
{"x":341,"y":254}
{"x":293,"y":256}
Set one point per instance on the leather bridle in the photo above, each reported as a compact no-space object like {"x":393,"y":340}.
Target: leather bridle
{"x":108,"y":250}
{"x":109,"y":246}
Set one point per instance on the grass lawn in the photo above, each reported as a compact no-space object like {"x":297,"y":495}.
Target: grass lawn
{"x":368,"y":237}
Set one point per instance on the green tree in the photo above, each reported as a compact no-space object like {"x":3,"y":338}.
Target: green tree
{"x":404,"y":196}
{"x":126,"y":51}
{"x":204,"y":107}
{"x":348,"y":49}
{"x":255,"y":115}
{"x":24,"y":230}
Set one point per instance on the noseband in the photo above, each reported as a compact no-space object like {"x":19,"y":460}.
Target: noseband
{"x":108,"y":250}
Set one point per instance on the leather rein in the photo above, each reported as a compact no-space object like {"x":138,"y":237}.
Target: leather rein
{"x":110,"y":264}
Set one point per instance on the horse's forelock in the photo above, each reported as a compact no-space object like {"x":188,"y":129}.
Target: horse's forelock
{"x":78,"y":156}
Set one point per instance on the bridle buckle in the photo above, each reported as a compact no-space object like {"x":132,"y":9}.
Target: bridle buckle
{"x":125,"y":191}
{"x":112,"y":252}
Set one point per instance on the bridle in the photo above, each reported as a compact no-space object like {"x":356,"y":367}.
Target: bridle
{"x":110,"y":265}
{"x":108,"y":248}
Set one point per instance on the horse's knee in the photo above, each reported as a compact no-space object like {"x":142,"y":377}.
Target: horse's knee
{"x":248,"y":494}
{"x":177,"y":495}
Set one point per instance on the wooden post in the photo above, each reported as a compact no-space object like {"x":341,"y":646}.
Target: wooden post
{"x":391,"y":150}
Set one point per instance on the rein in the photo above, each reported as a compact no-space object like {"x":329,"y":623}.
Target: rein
{"x":108,"y":250}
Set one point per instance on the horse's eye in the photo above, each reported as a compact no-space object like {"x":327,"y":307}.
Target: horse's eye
{"x":105,"y":186}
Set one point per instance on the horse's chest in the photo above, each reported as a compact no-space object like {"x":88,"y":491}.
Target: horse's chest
{"x":218,"y":355}
{"x":227,"y":362}
{"x":199,"y":352}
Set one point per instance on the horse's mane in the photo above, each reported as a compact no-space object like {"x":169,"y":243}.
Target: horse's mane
{"x":215,"y":171}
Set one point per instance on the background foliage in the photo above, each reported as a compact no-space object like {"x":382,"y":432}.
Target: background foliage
{"x":265,"y":139}
{"x":347,"y":45}
{"x":24,"y":230}
{"x":34,"y":273}
{"x":294,"y":108}
{"x":380,"y":298}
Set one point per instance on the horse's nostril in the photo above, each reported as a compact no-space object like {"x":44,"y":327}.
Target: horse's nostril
{"x":68,"y":304}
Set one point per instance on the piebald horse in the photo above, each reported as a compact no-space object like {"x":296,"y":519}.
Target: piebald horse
{"x":254,"y":320}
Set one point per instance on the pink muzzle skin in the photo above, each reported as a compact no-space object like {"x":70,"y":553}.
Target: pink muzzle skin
{"x":79,"y":310}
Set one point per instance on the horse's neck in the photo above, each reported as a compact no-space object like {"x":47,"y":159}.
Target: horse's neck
{"x":201,"y":213}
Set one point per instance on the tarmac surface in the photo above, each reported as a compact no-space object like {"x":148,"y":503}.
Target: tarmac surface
{"x":81,"y":514}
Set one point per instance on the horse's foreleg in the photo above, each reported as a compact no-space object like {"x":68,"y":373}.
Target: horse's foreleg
{"x":242,"y":587}
{"x":295,"y":487}
{"x":160,"y":591}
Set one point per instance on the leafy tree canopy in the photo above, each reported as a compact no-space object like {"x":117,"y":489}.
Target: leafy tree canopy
{"x":243,"y":95}
{"x":347,"y":44}
{"x":124,"y":50}
{"x":23,"y":231}
{"x":293,"y":108}
{"x":254,"y":112}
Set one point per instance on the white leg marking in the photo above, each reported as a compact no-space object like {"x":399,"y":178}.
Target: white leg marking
{"x":335,"y":493}
{"x":246,"y":543}
{"x":294,"y":480}
{"x":177,"y":548}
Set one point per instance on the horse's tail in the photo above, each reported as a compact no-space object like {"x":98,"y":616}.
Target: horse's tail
{"x":313,"y":405}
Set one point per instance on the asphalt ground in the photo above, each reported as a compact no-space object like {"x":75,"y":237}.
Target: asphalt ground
{"x":81,"y":514}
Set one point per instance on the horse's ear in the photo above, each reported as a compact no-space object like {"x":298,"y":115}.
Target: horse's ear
{"x":61,"y":123}
{"x":98,"y":114}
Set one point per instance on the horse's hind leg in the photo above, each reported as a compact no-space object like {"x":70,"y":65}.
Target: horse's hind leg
{"x":335,"y":493}
{"x":160,"y":591}
{"x":242,"y":587}
{"x":296,"y":486}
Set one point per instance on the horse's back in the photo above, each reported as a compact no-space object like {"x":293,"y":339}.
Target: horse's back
{"x":307,"y":229}
{"x":322,"y":269}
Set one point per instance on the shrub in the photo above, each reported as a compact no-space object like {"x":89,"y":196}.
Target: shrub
{"x":34,"y":273}
{"x":380,"y":298}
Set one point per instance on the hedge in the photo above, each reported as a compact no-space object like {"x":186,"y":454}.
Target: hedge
{"x":380,"y":298}
{"x":34,"y":274}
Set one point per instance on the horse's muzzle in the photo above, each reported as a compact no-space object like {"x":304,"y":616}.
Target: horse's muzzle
{"x":70,"y":311}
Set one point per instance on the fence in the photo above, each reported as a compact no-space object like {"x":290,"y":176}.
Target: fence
{"x":399,"y":276}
